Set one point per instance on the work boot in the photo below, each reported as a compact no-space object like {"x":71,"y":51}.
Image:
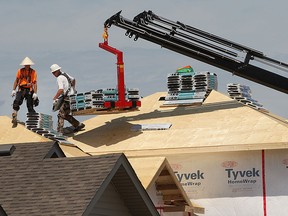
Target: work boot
{"x":14,"y":120}
{"x":79,"y":127}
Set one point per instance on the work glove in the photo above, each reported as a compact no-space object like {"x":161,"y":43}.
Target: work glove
{"x":74,"y":90}
{"x":54,"y":105}
{"x":55,"y":102}
{"x":34,"y":96}
{"x":13,"y":93}
{"x":36,"y":102}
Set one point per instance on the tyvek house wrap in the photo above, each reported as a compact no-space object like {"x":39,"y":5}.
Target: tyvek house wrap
{"x":235,"y":183}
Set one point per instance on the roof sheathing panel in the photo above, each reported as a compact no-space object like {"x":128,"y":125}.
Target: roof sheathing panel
{"x":147,"y":169}
{"x":17,"y":135}
{"x":220,"y":124}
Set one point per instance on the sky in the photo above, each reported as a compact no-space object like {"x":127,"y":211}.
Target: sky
{"x":67,"y":32}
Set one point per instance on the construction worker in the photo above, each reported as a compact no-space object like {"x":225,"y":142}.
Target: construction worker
{"x":66,"y":87}
{"x":26,"y":82}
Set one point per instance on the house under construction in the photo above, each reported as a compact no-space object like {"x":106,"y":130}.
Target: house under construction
{"x":196,"y":151}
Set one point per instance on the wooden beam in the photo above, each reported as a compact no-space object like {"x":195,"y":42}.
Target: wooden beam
{"x":199,"y":210}
{"x":183,"y":208}
{"x":166,"y":187}
{"x":169,"y":192}
{"x":175,"y":203}
{"x":173,"y":197}
{"x":164,"y":180}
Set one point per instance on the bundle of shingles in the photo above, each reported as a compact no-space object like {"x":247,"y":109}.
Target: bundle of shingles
{"x":97,"y":98}
{"x":189,"y":87}
{"x":42,"y":124}
{"x":242,"y":93}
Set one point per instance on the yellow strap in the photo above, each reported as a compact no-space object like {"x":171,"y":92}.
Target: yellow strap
{"x":105,"y":33}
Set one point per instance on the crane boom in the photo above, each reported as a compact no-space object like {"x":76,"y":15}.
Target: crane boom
{"x":203,"y":46}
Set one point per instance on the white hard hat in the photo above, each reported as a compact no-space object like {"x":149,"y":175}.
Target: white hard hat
{"x":54,"y":67}
{"x":27,"y":61}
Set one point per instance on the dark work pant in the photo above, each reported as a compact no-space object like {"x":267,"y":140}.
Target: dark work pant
{"x":64,"y":114}
{"x":20,"y":96}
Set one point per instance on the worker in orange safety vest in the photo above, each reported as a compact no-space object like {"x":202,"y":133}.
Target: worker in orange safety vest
{"x":26,"y":85}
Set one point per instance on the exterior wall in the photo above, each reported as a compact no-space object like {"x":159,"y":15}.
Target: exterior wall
{"x":235,"y":183}
{"x":110,"y":204}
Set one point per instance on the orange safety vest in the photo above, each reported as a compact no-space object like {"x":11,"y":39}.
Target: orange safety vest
{"x":26,"y":77}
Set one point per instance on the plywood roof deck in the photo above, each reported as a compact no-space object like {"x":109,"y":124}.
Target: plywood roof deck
{"x":219,"y":124}
{"x":19,"y":134}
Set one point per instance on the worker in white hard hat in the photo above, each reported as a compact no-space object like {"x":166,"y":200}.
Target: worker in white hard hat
{"x":66,"y":87}
{"x":24,"y":87}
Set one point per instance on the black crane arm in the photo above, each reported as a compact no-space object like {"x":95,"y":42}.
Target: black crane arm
{"x":202,"y":46}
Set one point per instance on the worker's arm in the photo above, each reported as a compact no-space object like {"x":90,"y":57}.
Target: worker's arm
{"x":73,"y":82}
{"x":73,"y":86}
{"x":15,"y":84}
{"x":35,"y":87}
{"x":58,"y":93}
{"x":34,"y":82}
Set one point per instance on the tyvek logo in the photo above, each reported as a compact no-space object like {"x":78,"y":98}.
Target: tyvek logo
{"x":190,"y":176}
{"x":234,"y":175}
{"x":244,"y":173}
{"x":190,"y":179}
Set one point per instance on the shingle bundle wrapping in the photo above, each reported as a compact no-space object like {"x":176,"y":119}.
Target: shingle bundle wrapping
{"x":42,"y":124}
{"x":187,"y":86}
{"x":243,"y":94}
{"x":97,"y":98}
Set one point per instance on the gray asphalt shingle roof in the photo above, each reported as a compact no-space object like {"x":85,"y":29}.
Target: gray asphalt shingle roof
{"x":34,"y":185}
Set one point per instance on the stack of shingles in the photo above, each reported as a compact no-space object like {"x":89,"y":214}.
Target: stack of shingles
{"x":42,"y":124}
{"x":110,"y":94}
{"x":204,"y":81}
{"x":81,"y":101}
{"x":242,"y":93}
{"x":96,"y":98}
{"x":133,"y":94}
{"x":189,"y":87}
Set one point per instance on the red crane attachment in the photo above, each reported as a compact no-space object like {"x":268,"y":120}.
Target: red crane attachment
{"x":121,"y":103}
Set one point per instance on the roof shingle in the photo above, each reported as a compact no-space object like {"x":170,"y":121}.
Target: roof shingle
{"x":35,"y":185}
